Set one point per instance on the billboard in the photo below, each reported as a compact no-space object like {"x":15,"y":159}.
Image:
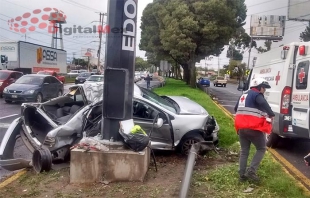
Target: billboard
{"x":298,"y":10}
{"x":88,"y":52}
{"x":267,"y":26}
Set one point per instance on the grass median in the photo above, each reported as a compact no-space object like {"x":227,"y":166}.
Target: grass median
{"x":222,"y":181}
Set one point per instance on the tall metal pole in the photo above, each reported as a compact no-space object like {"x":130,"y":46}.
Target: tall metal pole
{"x":248,"y":66}
{"x":205,"y":66}
{"x":218,"y":65}
{"x":120,"y":54}
{"x":100,"y":38}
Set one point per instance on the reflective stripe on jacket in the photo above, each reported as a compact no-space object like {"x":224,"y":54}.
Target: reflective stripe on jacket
{"x":248,"y":115}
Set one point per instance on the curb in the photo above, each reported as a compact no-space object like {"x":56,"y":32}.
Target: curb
{"x":12,"y":178}
{"x":290,"y":170}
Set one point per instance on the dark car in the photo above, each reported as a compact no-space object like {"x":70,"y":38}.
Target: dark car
{"x":81,"y":78}
{"x":204,"y":81}
{"x":8,"y":77}
{"x":33,"y":88}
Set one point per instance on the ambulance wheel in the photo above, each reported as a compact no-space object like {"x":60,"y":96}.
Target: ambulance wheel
{"x":272,"y":140}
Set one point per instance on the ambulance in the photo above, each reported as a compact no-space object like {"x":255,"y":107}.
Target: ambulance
{"x":286,"y":69}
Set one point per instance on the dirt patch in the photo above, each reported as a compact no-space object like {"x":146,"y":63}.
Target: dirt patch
{"x":165,"y":182}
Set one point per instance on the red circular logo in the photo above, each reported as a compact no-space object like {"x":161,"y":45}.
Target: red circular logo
{"x":37,"y":19}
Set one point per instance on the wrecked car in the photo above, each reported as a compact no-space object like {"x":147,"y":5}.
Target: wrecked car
{"x":49,"y":129}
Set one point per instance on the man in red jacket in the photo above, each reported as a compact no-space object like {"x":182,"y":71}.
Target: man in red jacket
{"x":252,"y":122}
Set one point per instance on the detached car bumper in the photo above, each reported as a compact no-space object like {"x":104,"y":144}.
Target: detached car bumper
{"x":7,"y":160}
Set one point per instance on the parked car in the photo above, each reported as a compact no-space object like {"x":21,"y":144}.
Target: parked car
{"x":33,"y":88}
{"x":8,"y":77}
{"x":81,"y":78}
{"x":53,"y":127}
{"x":220,"y":81}
{"x":204,"y":81}
{"x":73,"y":73}
{"x":53,"y":73}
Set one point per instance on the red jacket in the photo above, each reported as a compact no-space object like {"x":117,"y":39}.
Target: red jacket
{"x":248,"y":115}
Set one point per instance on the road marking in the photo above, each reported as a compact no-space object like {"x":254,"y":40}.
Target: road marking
{"x":228,"y":105}
{"x":8,"y":116}
{"x":12,"y":178}
{"x":5,"y":125}
{"x":226,"y":101}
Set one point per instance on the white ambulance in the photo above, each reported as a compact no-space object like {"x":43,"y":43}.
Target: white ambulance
{"x":286,"y":69}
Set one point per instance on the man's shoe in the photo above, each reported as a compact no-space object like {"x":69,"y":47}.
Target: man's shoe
{"x":243,"y":178}
{"x":252,"y":176}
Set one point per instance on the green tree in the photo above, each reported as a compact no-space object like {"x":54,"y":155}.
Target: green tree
{"x":305,"y":35}
{"x":79,"y":61}
{"x":189,"y":30}
{"x":267,"y":45}
{"x":141,"y":65}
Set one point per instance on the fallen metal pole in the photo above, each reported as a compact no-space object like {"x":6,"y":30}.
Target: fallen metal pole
{"x":189,"y":170}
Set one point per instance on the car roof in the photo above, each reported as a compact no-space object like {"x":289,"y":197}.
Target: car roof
{"x":97,"y":75}
{"x":38,"y":75}
{"x":9,"y":71}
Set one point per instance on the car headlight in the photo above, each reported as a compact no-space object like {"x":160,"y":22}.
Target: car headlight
{"x":29,"y":92}
{"x":76,"y":78}
{"x":5,"y":90}
{"x":1,"y":83}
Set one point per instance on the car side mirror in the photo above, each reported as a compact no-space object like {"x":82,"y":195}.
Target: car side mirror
{"x":12,"y":80}
{"x":159,"y":123}
{"x":46,"y":83}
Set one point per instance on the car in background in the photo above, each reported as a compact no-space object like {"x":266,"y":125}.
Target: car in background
{"x":94,"y":79}
{"x":204,"y":81}
{"x":8,"y":77}
{"x":73,"y":73}
{"x":33,"y":88}
{"x":53,"y":73}
{"x":81,"y":78}
{"x":219,"y":80}
{"x":82,"y":70}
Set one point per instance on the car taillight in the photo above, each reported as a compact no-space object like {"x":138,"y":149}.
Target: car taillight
{"x":285,"y":100}
{"x":285,"y":128}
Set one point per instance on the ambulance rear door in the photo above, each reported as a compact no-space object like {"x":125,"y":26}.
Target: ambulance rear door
{"x":300,"y":93}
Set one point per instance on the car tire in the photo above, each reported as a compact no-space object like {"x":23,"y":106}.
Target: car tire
{"x":1,"y":96}
{"x":224,"y":85}
{"x":272,"y":140}
{"x":39,"y":98}
{"x":187,"y":142}
{"x":42,"y":160}
{"x":8,"y":101}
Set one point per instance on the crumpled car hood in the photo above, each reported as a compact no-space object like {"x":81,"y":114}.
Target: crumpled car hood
{"x":188,"y":106}
{"x":93,"y":91}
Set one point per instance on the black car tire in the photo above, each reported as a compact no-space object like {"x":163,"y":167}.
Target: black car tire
{"x":1,"y":96}
{"x":187,"y":142}
{"x":42,"y":160}
{"x":224,"y":85}
{"x":39,"y":96}
{"x":8,"y":101}
{"x":272,"y":140}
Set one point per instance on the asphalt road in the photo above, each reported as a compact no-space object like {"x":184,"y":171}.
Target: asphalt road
{"x":292,"y":150}
{"x":9,"y":112}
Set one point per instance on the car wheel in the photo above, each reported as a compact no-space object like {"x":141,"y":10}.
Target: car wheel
{"x":59,"y":93}
{"x":1,"y":96}
{"x":224,"y":85}
{"x":8,"y":101}
{"x":39,"y":98}
{"x":272,"y":140}
{"x":42,"y":160}
{"x":187,"y":143}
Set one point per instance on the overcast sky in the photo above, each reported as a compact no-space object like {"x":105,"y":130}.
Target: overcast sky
{"x":83,"y":13}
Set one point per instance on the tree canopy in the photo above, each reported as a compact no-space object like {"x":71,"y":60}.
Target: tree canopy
{"x":305,"y":35}
{"x":141,"y":65}
{"x":186,"y":31}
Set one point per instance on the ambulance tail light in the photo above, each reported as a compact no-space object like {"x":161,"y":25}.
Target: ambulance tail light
{"x":302,"y":50}
{"x":285,"y":128}
{"x":285,"y":100}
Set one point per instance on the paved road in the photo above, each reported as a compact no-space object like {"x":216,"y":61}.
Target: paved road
{"x":9,"y":112}
{"x":292,"y":150}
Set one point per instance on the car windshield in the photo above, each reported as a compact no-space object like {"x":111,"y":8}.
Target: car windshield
{"x":4,"y":75}
{"x":30,"y":80}
{"x":220,"y":78}
{"x":95,"y":78}
{"x":84,"y":74}
{"x":158,"y":100}
{"x":205,"y":78}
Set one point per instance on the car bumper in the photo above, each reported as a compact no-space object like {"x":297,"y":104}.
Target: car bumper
{"x":19,"y":97}
{"x":79,"y":81}
{"x":7,"y":160}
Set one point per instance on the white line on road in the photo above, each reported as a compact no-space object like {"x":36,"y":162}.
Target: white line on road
{"x":227,"y":101}
{"x":8,"y":116}
{"x":4,"y":125}
{"x":228,"y":105}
